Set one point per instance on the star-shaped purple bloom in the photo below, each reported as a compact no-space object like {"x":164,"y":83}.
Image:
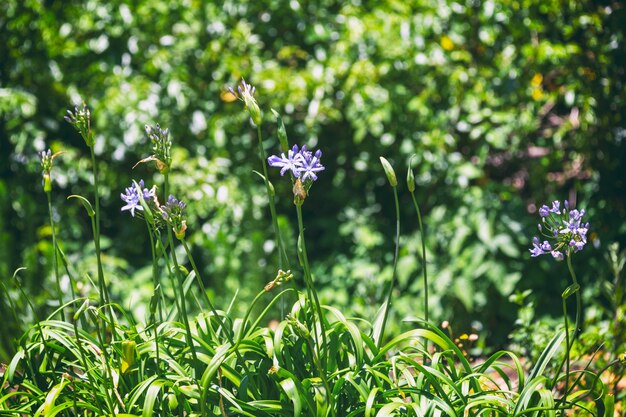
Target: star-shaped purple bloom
{"x":131,"y":197}
{"x":292,"y":162}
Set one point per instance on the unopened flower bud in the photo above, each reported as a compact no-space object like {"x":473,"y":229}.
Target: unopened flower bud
{"x":246,"y":94}
{"x":391,"y":174}
{"x":281,"y":132}
{"x":180,"y":232}
{"x":410,"y":180}
{"x":299,"y":193}
{"x":254,"y":111}
{"x":47,"y":185}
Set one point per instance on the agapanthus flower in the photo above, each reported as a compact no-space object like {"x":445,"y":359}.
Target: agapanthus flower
{"x":304,"y":166}
{"x":311,"y":164}
{"x":245,"y":92}
{"x":46,"y":158}
{"x":81,"y":120}
{"x":292,"y":162}
{"x":173,"y":212}
{"x":564,"y":230}
{"x":302,"y":163}
{"x":161,"y":147}
{"x":131,"y":197}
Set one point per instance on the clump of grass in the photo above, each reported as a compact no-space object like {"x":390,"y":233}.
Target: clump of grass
{"x":315,"y":362}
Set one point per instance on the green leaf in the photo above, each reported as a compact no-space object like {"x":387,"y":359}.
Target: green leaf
{"x":86,"y":204}
{"x":571,"y":290}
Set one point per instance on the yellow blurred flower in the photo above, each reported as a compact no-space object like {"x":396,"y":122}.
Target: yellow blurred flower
{"x":537,"y":79}
{"x":446,"y":43}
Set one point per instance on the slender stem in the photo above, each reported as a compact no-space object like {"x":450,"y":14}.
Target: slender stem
{"x":55,"y":262}
{"x":183,"y":306}
{"x":577,"y":329}
{"x":104,"y":294}
{"x":395,"y":267}
{"x":283,"y":261}
{"x":156,"y":282}
{"x":425,"y":274}
{"x":180,"y":281}
{"x":567,"y":353}
{"x":309,"y":279}
{"x":157,"y":294}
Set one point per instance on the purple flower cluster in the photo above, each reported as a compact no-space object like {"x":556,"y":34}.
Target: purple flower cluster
{"x":173,"y":212}
{"x":563,"y":227}
{"x":302,"y":163}
{"x":132,"y":200}
{"x":173,"y":208}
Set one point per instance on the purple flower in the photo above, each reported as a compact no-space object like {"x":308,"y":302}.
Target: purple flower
{"x":557,"y":255}
{"x":556,"y":207}
{"x":173,"y":213}
{"x":539,"y":248}
{"x":131,"y":197}
{"x":246,"y":94}
{"x":292,"y":162}
{"x":302,"y":163}
{"x":564,"y":229}
{"x":311,"y":165}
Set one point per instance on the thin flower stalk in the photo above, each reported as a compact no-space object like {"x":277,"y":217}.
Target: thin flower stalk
{"x":245,"y":92}
{"x":81,"y":120}
{"x":46,"y":164}
{"x":183,"y":304}
{"x":157,"y":298}
{"x":411,"y":187}
{"x":394,"y":277}
{"x":308,"y":278}
{"x":283,"y":261}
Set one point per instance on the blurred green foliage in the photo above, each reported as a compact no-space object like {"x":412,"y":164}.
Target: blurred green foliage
{"x":507,"y":105}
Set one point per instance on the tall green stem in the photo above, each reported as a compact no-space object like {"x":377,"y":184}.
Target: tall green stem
{"x":316,"y":306}
{"x":423,"y":237}
{"x":569,"y":342}
{"x":577,"y":329}
{"x":157,"y":294}
{"x":55,"y":263}
{"x":395,"y":267}
{"x":183,"y":304}
{"x":283,"y":261}
{"x":156,"y":282}
{"x":95,"y":222}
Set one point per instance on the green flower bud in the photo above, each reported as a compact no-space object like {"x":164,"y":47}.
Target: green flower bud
{"x":246,"y":94}
{"x":391,"y":175}
{"x":254,"y":111}
{"x":47,"y":185}
{"x":410,"y":179}
{"x":281,"y":132}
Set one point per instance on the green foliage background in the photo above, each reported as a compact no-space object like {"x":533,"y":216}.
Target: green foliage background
{"x":506,"y":105}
